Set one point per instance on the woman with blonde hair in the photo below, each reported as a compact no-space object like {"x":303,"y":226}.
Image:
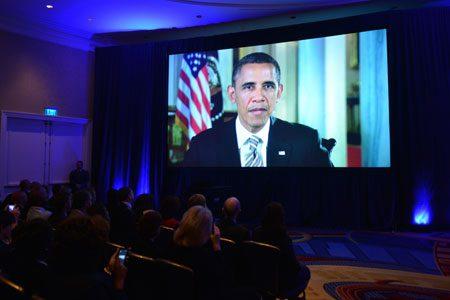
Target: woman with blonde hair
{"x":192,"y":249}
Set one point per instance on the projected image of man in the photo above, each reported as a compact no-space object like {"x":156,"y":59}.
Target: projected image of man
{"x":255,"y":138}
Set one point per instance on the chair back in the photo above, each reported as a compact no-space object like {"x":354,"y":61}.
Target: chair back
{"x":230,"y":252}
{"x":177,"y":281}
{"x":165,"y":238}
{"x":10,"y":290}
{"x":141,"y":277}
{"x":157,"y":279}
{"x":227,"y":244}
{"x":111,"y":248}
{"x":260,"y":264}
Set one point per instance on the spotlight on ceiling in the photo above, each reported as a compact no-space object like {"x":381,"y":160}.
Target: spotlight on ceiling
{"x":49,"y":6}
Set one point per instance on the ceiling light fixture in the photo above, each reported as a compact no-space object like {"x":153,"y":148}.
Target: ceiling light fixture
{"x":49,"y":6}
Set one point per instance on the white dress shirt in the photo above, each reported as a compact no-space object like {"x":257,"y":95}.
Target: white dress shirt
{"x":243,"y":134}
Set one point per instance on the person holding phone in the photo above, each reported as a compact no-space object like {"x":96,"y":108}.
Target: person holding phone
{"x":77,"y":262}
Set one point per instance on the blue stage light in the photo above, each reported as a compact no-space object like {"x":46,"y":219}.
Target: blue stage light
{"x":422,"y":208}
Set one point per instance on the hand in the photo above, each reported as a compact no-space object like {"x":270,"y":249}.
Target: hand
{"x":118,"y":271}
{"x":215,"y":239}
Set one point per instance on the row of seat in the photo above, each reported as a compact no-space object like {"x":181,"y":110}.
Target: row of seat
{"x":256,"y":265}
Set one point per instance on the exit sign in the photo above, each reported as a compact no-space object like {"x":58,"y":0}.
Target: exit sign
{"x":53,"y":112}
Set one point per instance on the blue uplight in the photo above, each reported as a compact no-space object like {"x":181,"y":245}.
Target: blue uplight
{"x":118,"y":183}
{"x":422,"y":208}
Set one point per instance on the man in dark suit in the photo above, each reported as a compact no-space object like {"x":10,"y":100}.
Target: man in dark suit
{"x":255,"y":138}
{"x":79,"y":178}
{"x":229,"y":228}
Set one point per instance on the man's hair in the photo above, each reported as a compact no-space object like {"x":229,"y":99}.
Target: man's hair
{"x":32,"y":239}
{"x":124,"y":193}
{"x":78,"y":247}
{"x":38,"y":197}
{"x":142,"y":203}
{"x":62,"y":201}
{"x":80,"y":199}
{"x":148,"y":225}
{"x":56,"y":188}
{"x":25,"y":185}
{"x":195,"y":227}
{"x":273,"y":216}
{"x":196,"y":199}
{"x":231,"y":207}
{"x":256,"y":58}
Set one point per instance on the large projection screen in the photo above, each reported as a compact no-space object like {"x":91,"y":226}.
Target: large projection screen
{"x":335,"y":86}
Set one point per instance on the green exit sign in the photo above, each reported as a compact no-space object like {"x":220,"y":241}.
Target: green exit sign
{"x":53,"y":112}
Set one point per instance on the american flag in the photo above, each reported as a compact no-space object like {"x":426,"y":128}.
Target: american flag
{"x":193,"y":105}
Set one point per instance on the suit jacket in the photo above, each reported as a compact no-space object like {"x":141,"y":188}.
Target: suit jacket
{"x":230,"y":230}
{"x":288,"y":145}
{"x":293,"y":274}
{"x":123,"y":225}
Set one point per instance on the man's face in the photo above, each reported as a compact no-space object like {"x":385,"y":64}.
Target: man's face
{"x":256,"y":92}
{"x":79,"y":165}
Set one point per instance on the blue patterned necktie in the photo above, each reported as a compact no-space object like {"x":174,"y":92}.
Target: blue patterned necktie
{"x":253,"y":157}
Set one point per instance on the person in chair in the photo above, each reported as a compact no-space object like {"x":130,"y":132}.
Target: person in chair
{"x":228,"y":226}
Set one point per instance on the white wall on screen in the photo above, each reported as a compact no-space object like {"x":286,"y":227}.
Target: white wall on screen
{"x":374,"y":99}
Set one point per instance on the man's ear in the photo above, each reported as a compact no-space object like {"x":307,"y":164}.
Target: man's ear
{"x":280,"y":91}
{"x":231,"y":93}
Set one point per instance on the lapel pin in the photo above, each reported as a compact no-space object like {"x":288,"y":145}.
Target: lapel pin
{"x":281,"y":153}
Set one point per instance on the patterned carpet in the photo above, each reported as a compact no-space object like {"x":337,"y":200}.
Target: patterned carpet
{"x":375,"y":265}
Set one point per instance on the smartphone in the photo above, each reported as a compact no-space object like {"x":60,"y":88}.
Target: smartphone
{"x":11,"y":207}
{"x":123,"y":255}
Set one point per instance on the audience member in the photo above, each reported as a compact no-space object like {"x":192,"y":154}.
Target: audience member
{"x":79,"y":178}
{"x":294,"y":276}
{"x":35,"y":185}
{"x":55,"y":190}
{"x":97,"y":207}
{"x":37,"y":204}
{"x":81,"y":201}
{"x":142,"y":203}
{"x":77,"y":263}
{"x":7,"y":223}
{"x":229,"y":228}
{"x":148,"y":228}
{"x":170,"y":208}
{"x":194,"y":232}
{"x":20,"y":199}
{"x":112,"y":199}
{"x":25,"y":186}
{"x":27,"y":264}
{"x":62,"y":203}
{"x":123,"y":220}
{"x":102,"y":227}
{"x":196,"y":199}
